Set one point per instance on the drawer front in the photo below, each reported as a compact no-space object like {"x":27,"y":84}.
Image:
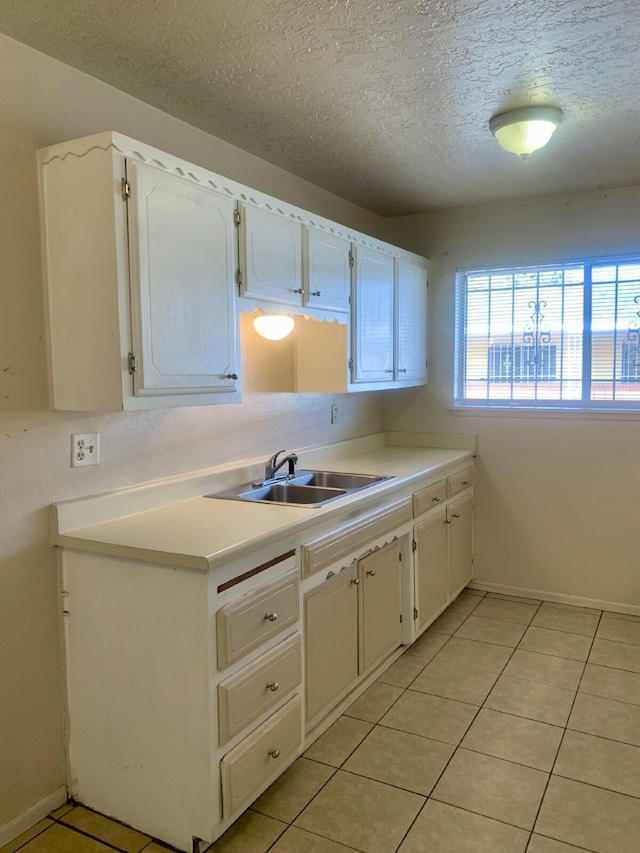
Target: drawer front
{"x":328,"y":549}
{"x":258,"y":759}
{"x":429,"y":498}
{"x":245,"y":624}
{"x":459,"y":482}
{"x":256,"y":688}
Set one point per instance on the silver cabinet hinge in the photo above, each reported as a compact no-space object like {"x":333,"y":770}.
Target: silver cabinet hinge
{"x":133,"y":363}
{"x":414,"y":546}
{"x":239,"y":280}
{"x":236,"y":217}
{"x":126,"y":189}
{"x":399,"y":557}
{"x":401,"y":617}
{"x":351,"y":262}
{"x":350,"y":364}
{"x":415,"y":613}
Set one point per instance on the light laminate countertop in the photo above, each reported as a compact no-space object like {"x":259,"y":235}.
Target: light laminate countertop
{"x":200,"y":533}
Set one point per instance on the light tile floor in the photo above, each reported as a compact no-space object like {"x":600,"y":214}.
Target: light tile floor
{"x":512,"y":725}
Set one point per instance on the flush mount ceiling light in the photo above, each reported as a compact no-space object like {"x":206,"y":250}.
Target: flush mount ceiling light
{"x":526,"y":129}
{"x":273,"y":327}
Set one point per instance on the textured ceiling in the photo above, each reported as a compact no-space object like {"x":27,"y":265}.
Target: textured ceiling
{"x":384,"y":103}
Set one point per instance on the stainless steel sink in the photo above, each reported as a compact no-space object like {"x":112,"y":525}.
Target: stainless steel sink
{"x":292,"y":493}
{"x":306,"y":488}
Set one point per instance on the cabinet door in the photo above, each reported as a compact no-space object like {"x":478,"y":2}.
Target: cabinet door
{"x":380,"y":629}
{"x":373,"y":318}
{"x":432,"y":579}
{"x":327,"y":270}
{"x":181,"y":246}
{"x":460,"y":518}
{"x":331,"y":640}
{"x":411,"y":322}
{"x":271,"y":256}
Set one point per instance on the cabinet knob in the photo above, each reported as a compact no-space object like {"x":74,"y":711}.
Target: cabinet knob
{"x":272,"y":686}
{"x":271,"y":616}
{"x":403,"y":370}
{"x":465,"y":482}
{"x":297,"y":290}
{"x":231,"y":376}
{"x":456,"y":515}
{"x":447,"y":521}
{"x":316,"y":293}
{"x":274,"y":753}
{"x":355,"y":581}
{"x":437,"y":500}
{"x":388,"y":371}
{"x":371,"y":573}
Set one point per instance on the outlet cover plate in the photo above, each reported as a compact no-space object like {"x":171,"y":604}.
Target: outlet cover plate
{"x":85,"y":449}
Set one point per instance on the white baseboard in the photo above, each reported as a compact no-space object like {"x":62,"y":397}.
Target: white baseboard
{"x":36,"y":812}
{"x":558,"y":597}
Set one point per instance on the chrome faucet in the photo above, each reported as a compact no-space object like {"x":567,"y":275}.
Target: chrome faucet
{"x":273,"y":465}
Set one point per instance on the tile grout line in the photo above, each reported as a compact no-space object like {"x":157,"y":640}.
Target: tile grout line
{"x":457,"y":747}
{"x":544,"y":794}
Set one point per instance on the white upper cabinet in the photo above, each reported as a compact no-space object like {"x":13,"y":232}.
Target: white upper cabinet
{"x":373,"y":316}
{"x":327,"y":270}
{"x":270,"y":256}
{"x":181,"y":238}
{"x":411,"y":321}
{"x":140,"y":265}
{"x":389,"y":322}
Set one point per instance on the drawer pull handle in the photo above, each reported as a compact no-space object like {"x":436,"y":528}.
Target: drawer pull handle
{"x":437,"y":500}
{"x":271,"y":616}
{"x":355,"y":581}
{"x":274,"y":753}
{"x":231,"y":376}
{"x":465,"y":482}
{"x":295,"y":290}
{"x":456,"y":515}
{"x":371,"y":573}
{"x":316,"y":293}
{"x":272,"y":686}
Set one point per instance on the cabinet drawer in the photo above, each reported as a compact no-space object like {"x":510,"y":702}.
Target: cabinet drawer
{"x":259,"y":758}
{"x":329,"y":549}
{"x":429,"y":498}
{"x":256,"y":688}
{"x":459,"y":482}
{"x":245,"y":624}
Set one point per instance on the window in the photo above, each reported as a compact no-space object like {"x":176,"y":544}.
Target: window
{"x":552,"y":336}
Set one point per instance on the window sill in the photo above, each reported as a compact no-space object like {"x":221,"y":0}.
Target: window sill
{"x":540,"y":412}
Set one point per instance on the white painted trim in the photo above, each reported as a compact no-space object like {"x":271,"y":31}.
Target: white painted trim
{"x":558,"y":597}
{"x":33,"y":814}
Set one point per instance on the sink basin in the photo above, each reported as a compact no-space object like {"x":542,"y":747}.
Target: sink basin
{"x":292,"y":493}
{"x":306,"y":488}
{"x":336,"y":480}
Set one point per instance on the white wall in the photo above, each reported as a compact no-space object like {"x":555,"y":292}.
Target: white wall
{"x":558,"y":503}
{"x":43,"y":102}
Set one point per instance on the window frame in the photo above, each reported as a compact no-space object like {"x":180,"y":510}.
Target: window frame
{"x":460,"y":405}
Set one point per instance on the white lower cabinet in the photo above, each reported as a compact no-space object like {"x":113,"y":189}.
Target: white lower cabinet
{"x":442,"y":545}
{"x":432,"y":577}
{"x":260,"y":757}
{"x":331,"y":640}
{"x":460,"y":522}
{"x":351,"y":621}
{"x":379,"y":604}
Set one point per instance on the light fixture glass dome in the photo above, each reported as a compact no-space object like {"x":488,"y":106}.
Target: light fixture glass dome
{"x":525,"y":130}
{"x":273,"y":327}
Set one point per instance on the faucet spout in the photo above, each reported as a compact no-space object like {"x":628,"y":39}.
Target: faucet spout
{"x":274,"y":465}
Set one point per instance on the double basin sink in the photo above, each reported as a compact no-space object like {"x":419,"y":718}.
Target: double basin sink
{"x":305,"y":488}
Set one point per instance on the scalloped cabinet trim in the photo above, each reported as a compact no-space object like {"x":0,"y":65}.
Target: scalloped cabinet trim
{"x":134,"y":150}
{"x":149,"y":261}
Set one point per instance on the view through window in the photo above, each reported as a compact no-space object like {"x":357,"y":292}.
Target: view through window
{"x":556,"y":336}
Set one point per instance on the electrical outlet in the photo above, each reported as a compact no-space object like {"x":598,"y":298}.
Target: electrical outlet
{"x":334,"y":413}
{"x":85,"y":449}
